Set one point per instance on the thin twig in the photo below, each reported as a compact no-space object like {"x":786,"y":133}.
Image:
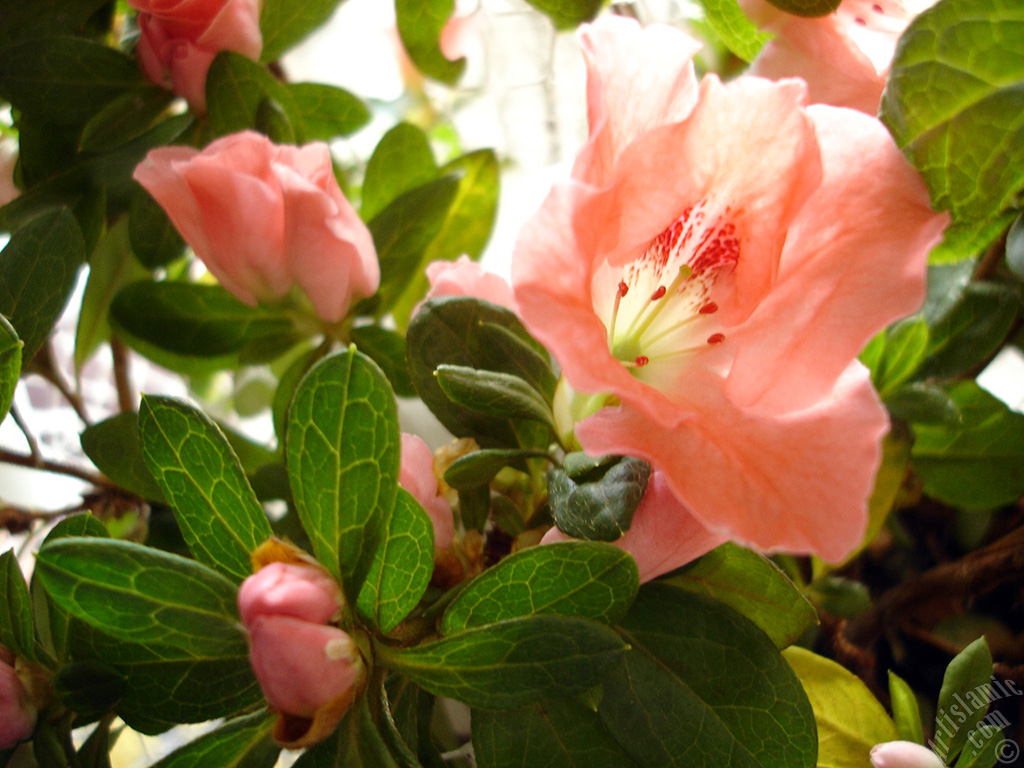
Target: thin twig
{"x":44,"y":366}
{"x":122,"y":375}
{"x":33,"y":445}
{"x":46,"y":465}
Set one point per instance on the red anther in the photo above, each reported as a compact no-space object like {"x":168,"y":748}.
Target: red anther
{"x":708,"y":309}
{"x":641,"y":361}
{"x":623,"y":288}
{"x":658,"y":293}
{"x":716,"y":338}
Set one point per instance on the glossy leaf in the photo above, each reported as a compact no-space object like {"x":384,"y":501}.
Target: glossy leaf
{"x":401,"y":161}
{"x":567,"y":14}
{"x":285,"y":23}
{"x":44,"y":17}
{"x":15,"y":608}
{"x":1015,"y":247}
{"x":979,"y":463}
{"x":905,"y":711}
{"x":479,"y":467}
{"x":513,"y":662}
{"x":676,"y":699}
{"x":64,"y":80}
{"x":38,"y":270}
{"x":342,"y":453}
{"x":952,"y":104}
{"x":401,"y":566}
{"x":963,"y":699}
{"x":987,"y":748}
{"x":113,"y":445}
{"x":598,"y":504}
{"x":89,"y":687}
{"x":850,"y":719}
{"x":10,"y":364}
{"x":496,"y":394}
{"x":142,"y":595}
{"x":733,"y":28}
{"x":420,"y":23}
{"x":807,"y":7}
{"x":242,"y":743}
{"x":585,"y":579}
{"x":124,"y":118}
{"x":968,"y":240}
{"x":387,"y":349}
{"x":903,"y":350}
{"x":327,"y":111}
{"x":153,"y":238}
{"x":752,"y":585}
{"x":200,"y":475}
{"x":236,"y":87}
{"x":923,"y":402}
{"x":357,"y":743}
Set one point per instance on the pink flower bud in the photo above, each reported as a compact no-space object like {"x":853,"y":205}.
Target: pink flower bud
{"x":17,"y":713}
{"x":417,"y":477}
{"x":466,"y":277}
{"x":303,"y":592}
{"x":903,"y":754}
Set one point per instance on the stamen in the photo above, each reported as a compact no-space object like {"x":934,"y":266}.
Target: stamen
{"x":708,"y":309}
{"x":622,"y":291}
{"x":642,"y":360}
{"x":716,"y":338}
{"x":658,"y":293}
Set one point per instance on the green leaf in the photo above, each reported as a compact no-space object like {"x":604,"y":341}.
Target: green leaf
{"x":567,"y":14}
{"x":111,"y":267}
{"x":20,"y":20}
{"x":64,"y":80}
{"x":38,"y":270}
{"x":192,"y":462}
{"x":236,"y":87}
{"x":810,"y":8}
{"x":969,"y":333}
{"x":124,"y":118}
{"x":401,"y":567}
{"x":588,"y":580}
{"x":551,"y":733}
{"x":327,"y":111}
{"x":963,"y":700}
{"x":734,"y":29}
{"x":889,"y":479}
{"x":978,"y":464}
{"x":753,"y":585}
{"x":387,"y":349}
{"x":463,"y":331}
{"x":904,"y":350}
{"x":410,"y":720}
{"x":10,"y":364}
{"x":285,"y":23}
{"x":1015,"y":247}
{"x":923,"y":402}
{"x":357,"y":743}
{"x":493,"y":393}
{"x":142,"y":595}
{"x":113,"y":445}
{"x":986,"y":747}
{"x":513,"y":662}
{"x":905,"y":712}
{"x":678,"y":700}
{"x":342,"y":453}
{"x":966,"y":240}
{"x":850,"y":719}
{"x":195,"y":320}
{"x":401,"y":161}
{"x":952,"y":104}
{"x":420,"y":23}
{"x":946,"y":286}
{"x":598,"y":504}
{"x":15,"y":608}
{"x":154,"y":239}
{"x":479,"y":467}
{"x":242,"y":743}
{"x":89,"y":687}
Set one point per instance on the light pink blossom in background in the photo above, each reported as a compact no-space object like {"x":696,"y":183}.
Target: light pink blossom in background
{"x":711,"y":282}
{"x":844,"y":57}
{"x":416,"y":475}
{"x":903,"y":754}
{"x":465,"y":277}
{"x":178,"y":40}
{"x":265,"y":218}
{"x":17,"y":713}
{"x":8,"y":160}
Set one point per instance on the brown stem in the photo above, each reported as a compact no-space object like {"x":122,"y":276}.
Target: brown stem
{"x":33,"y":446}
{"x":36,"y":462}
{"x":122,"y":376}
{"x":44,"y":366}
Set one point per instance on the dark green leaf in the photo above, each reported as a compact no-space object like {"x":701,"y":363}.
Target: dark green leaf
{"x":733,"y":28}
{"x":286,"y":22}
{"x":242,"y":743}
{"x":326,"y":111}
{"x":946,"y":286}
{"x":972,"y":331}
{"x":357,"y":743}
{"x":20,"y":20}
{"x":342,"y":453}
{"x":978,"y":464}
{"x":1015,"y":247}
{"x":114,"y":169}
{"x":15,"y":608}
{"x":143,"y":595}
{"x":902,"y":353}
{"x":113,"y":445}
{"x":412,"y":716}
{"x":753,"y":585}
{"x":551,"y":733}
{"x":702,"y":686}
{"x":986,"y":747}
{"x":195,"y":320}
{"x":154,"y":239}
{"x":272,"y":121}
{"x":575,"y":578}
{"x":953,"y":104}
{"x":401,"y":567}
{"x":419,"y":26}
{"x":807,"y":7}
{"x":479,"y":467}
{"x":64,"y":80}
{"x":387,"y":349}
{"x":512,"y":662}
{"x":89,"y":687}
{"x":236,"y":87}
{"x":38,"y":269}
{"x":567,"y":14}
{"x":124,"y":118}
{"x":923,"y":403}
{"x":841,"y":596}
{"x":964,"y":696}
{"x":201,"y":477}
{"x":501,"y":395}
{"x":905,"y":711}
{"x":401,"y":161}
{"x":10,"y":364}
{"x":598,"y":505}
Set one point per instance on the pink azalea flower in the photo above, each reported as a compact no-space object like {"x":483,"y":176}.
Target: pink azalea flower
{"x":707,"y":278}
{"x":416,"y":475}
{"x":844,"y":57}
{"x":903,"y":754}
{"x":465,"y":277}
{"x":17,"y":713}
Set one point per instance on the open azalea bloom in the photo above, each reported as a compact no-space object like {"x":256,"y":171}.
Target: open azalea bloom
{"x":706,"y":280}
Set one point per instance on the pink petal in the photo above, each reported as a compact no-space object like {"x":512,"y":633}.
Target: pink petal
{"x":465,"y":277}
{"x":286,"y":589}
{"x":416,"y":475}
{"x":17,"y":714}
